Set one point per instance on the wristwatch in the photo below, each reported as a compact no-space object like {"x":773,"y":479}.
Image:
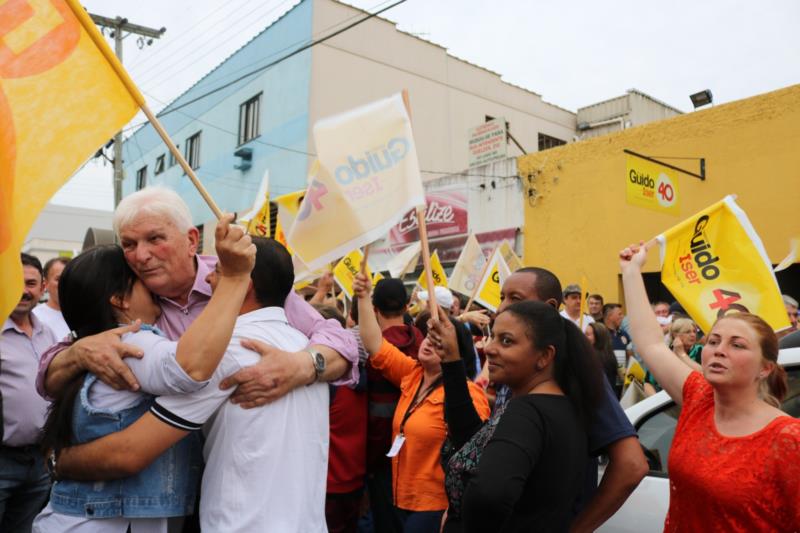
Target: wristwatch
{"x":318,"y":360}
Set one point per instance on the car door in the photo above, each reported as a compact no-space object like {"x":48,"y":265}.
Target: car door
{"x":655,"y":420}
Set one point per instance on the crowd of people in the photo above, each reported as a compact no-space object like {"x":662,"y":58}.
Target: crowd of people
{"x":156,"y":389}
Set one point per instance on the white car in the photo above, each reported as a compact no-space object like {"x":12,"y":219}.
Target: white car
{"x":655,"y":419}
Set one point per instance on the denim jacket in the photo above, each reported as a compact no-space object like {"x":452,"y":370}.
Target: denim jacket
{"x":167,"y":487}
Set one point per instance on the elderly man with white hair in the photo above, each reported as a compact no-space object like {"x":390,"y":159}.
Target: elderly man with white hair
{"x":160,"y":244}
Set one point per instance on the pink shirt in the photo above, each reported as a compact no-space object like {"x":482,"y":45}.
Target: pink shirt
{"x":176,"y":318}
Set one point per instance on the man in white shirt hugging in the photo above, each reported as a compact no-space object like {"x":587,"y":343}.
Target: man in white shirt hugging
{"x":266,"y":468}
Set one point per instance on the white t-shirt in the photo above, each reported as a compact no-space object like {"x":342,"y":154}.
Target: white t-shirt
{"x":54,"y":319}
{"x":586,"y":319}
{"x":266,"y":468}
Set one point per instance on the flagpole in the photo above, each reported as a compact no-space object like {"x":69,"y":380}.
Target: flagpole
{"x":181,"y":161}
{"x":90,"y":28}
{"x":423,"y":239}
{"x":480,"y":278}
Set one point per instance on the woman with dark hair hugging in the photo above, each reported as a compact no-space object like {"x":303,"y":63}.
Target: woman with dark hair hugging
{"x":99,"y":291}
{"x":523,"y":469}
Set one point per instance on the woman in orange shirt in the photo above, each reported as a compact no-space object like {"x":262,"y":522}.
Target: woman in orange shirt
{"x":418,"y":428}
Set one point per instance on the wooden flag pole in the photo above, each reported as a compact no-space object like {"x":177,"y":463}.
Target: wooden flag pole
{"x":480,"y":278}
{"x":426,"y":263}
{"x":181,"y":161}
{"x":423,"y":239}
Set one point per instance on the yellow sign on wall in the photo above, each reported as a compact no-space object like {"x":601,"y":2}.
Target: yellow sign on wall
{"x":651,"y":186}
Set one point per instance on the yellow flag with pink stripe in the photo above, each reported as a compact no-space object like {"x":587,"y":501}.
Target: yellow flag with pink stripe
{"x":62,"y":95}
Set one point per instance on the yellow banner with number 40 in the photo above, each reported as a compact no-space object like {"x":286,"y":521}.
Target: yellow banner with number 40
{"x":651,"y":186}
{"x":715,"y":263}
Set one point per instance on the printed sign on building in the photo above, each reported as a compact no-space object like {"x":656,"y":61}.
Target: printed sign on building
{"x":487,"y":142}
{"x":445,"y":214}
{"x":651,"y":186}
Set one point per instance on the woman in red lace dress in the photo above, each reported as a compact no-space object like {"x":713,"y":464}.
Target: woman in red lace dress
{"x":735,"y":458}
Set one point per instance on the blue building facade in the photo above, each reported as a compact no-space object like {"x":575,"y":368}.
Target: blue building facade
{"x":213,"y":121}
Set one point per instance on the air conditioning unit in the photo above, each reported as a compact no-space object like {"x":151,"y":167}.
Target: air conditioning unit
{"x":245,"y":156}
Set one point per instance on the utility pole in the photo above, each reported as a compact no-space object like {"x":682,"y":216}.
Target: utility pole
{"x":118,"y":26}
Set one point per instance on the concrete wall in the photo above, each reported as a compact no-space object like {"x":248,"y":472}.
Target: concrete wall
{"x":578,"y":219}
{"x":283,"y":120}
{"x":634,"y":108}
{"x":448,"y":95}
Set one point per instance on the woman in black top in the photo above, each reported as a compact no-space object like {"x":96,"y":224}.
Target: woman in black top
{"x":523,"y":469}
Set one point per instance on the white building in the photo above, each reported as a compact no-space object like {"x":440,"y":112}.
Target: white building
{"x":60,"y":230}
{"x":234,"y":130}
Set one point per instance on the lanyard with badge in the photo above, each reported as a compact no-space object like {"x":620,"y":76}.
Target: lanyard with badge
{"x":400,"y":439}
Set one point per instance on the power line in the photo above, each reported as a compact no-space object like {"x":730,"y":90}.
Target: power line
{"x":297,"y":43}
{"x":183,"y":61}
{"x":281,"y":59}
{"x":177,"y":39}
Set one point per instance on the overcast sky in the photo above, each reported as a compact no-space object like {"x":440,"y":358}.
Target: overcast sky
{"x":573,"y":53}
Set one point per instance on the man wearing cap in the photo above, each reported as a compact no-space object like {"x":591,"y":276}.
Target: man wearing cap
{"x":572,"y":307}
{"x":444,"y":298}
{"x":791,"y":310}
{"x":390,"y":300}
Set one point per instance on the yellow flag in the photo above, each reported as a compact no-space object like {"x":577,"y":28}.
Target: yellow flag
{"x":439,"y":275}
{"x":634,"y":372}
{"x":344,"y":273}
{"x":510,"y":256}
{"x":489,"y":289}
{"x":714,"y":263}
{"x":376,"y":278}
{"x":288,"y":205}
{"x":63,"y":94}
{"x":259,"y":218}
{"x":367,"y":179}
{"x":466,"y":273}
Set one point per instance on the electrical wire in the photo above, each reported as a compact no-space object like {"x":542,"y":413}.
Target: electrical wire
{"x":201,"y":84}
{"x":170,"y":65}
{"x":162,"y":49}
{"x":279,"y":60}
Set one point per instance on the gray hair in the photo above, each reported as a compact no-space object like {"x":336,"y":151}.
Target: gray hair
{"x":157,"y":201}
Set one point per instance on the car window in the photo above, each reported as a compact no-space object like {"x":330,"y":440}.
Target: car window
{"x":657,"y":429}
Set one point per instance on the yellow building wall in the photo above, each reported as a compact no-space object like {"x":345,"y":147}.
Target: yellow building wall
{"x":576,"y":215}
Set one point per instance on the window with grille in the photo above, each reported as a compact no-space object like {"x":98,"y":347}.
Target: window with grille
{"x":545,"y":142}
{"x":159,"y":165}
{"x":248,"y":119}
{"x":192,"y":153}
{"x":141,"y":178}
{"x":172,"y":160}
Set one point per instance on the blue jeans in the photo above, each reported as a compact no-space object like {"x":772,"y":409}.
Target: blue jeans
{"x":421,"y":521}
{"x":24,"y":487}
